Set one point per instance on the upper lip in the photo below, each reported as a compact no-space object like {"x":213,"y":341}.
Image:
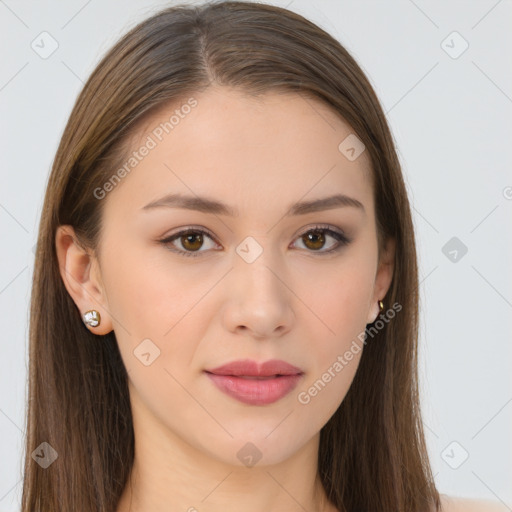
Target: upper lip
{"x":250,"y":368}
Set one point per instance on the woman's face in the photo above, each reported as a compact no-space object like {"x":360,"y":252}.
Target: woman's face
{"x":258,"y":285}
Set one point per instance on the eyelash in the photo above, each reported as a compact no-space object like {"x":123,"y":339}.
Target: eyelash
{"x":341,"y":238}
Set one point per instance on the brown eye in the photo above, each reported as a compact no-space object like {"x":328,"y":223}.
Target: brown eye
{"x":192,"y":242}
{"x":315,"y":238}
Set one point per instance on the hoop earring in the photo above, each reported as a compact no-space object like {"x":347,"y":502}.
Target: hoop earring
{"x":91,"y":318}
{"x":381,"y":306}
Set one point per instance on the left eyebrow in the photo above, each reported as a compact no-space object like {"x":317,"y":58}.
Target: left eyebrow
{"x":209,"y":205}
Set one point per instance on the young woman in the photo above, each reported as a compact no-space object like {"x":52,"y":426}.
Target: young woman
{"x":225,"y":299}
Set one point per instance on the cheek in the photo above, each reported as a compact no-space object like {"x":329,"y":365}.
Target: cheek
{"x":148,"y":294}
{"x":150,"y":299}
{"x":340,"y":301}
{"x":336,"y":331}
{"x":334,"y":361}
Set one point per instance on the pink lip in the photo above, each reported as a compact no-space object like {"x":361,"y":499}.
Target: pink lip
{"x":256,"y":384}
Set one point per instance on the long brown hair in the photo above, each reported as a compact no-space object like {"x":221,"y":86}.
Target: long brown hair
{"x":372,"y":453}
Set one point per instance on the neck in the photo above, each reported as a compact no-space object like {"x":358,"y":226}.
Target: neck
{"x":193,"y":482}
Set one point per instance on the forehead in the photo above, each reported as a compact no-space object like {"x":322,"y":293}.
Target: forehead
{"x":245,"y":151}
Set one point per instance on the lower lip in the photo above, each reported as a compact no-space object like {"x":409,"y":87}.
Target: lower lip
{"x":255,"y":391}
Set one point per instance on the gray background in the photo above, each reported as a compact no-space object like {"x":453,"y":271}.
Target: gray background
{"x":450,"y":115}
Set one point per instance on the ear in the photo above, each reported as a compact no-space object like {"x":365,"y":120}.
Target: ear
{"x":81,"y":275}
{"x":383,"y":278}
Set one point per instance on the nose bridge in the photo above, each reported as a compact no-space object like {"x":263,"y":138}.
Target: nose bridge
{"x":256,"y":266}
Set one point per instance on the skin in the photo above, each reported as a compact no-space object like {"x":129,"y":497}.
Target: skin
{"x":458,"y":504}
{"x":294,"y":302}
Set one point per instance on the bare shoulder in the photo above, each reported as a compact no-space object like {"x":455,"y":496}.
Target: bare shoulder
{"x":456,"y":504}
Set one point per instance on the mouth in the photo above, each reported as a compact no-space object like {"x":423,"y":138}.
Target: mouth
{"x":256,"y":384}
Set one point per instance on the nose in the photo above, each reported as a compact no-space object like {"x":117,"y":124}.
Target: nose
{"x":260,"y":302}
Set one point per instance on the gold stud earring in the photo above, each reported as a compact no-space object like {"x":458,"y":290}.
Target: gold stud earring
{"x":91,"y":318}
{"x":381,"y":306}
